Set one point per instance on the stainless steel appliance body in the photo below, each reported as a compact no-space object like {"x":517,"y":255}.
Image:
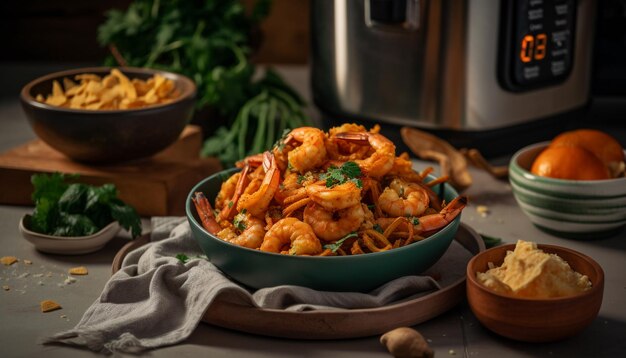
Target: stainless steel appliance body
{"x":459,"y":65}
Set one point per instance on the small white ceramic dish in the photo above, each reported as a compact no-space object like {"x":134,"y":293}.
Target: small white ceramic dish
{"x":75,"y":245}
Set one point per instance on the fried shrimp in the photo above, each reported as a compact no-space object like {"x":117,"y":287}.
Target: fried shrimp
{"x":312,"y":151}
{"x":334,"y":198}
{"x":330,"y":226}
{"x":380,"y":162}
{"x":205,"y":212}
{"x":342,"y":150}
{"x":227,"y":191}
{"x":403,"y":199}
{"x":431,"y":222}
{"x":246,"y":231}
{"x":293,"y":237}
{"x":257,"y":203}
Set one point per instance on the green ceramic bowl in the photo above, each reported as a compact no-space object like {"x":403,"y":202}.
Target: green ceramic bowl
{"x":577,"y":209}
{"x":363,"y":273}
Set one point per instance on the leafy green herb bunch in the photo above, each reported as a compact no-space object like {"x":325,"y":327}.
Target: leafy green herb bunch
{"x":206,"y":40}
{"x":76,"y":209}
{"x":210,"y":42}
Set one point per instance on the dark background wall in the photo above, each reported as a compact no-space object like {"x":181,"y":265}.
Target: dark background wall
{"x":66,"y":30}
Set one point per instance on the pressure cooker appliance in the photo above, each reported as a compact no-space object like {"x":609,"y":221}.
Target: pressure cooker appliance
{"x":469,"y":70}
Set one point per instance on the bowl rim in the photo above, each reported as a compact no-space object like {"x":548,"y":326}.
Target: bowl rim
{"x":189,"y":86}
{"x":193,"y":221}
{"x":472,"y":280}
{"x":113,"y":225}
{"x":514,"y":165}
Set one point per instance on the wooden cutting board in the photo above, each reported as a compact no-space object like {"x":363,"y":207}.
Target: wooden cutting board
{"x":155,"y":186}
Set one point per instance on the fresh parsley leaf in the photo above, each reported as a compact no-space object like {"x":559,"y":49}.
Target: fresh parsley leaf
{"x":337,"y":244}
{"x":414,"y":220}
{"x":378,"y":228}
{"x":44,"y":216}
{"x":239,"y":221}
{"x":182,"y":258}
{"x":127,"y":217}
{"x":349,"y":171}
{"x":49,"y":186}
{"x":76,"y":209}
{"x":74,"y":199}
{"x":74,"y":225}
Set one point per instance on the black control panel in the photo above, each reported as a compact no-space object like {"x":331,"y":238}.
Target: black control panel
{"x":536,"y":47}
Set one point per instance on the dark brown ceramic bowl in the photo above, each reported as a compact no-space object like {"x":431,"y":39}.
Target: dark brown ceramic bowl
{"x":108,"y":135}
{"x":535,"y":319}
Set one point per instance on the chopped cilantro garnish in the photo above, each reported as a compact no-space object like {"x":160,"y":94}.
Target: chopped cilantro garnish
{"x":349,"y":171}
{"x":378,"y":228}
{"x":371,"y":207}
{"x":414,"y":220}
{"x":238,"y":221}
{"x":301,"y":178}
{"x":337,"y":244}
{"x":182,"y":258}
{"x":230,"y":204}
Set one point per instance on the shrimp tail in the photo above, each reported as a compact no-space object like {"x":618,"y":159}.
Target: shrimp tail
{"x":205,"y":211}
{"x":432,"y":222}
{"x":253,"y":160}
{"x":356,"y":137}
{"x":229,"y":211}
{"x":258,"y":202}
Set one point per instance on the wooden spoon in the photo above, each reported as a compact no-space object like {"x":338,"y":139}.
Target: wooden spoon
{"x":429,"y":147}
{"x":474,"y":156}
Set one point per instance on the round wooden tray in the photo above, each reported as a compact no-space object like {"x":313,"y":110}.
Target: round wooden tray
{"x":336,"y":323}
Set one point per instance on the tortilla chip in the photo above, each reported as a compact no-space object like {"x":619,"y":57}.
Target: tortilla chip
{"x":49,"y":306}
{"x":8,"y":260}
{"x":113,"y":91}
{"x":80,"y":270}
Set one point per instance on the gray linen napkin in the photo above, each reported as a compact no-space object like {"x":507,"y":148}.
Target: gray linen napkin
{"x":155,"y":300}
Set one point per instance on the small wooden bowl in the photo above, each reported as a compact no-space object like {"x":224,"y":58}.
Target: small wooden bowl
{"x":535,"y":319}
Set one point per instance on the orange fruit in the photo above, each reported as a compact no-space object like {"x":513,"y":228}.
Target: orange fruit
{"x":569,"y":162}
{"x":602,"y":145}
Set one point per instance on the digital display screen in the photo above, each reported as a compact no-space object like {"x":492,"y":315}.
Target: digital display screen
{"x":537,"y":43}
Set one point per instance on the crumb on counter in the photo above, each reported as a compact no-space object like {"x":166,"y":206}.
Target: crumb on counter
{"x":80,"y":270}
{"x":483,"y":210}
{"x":8,"y":260}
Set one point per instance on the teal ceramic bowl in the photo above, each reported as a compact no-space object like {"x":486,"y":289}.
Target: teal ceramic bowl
{"x":362,"y":273}
{"x":577,"y":209}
